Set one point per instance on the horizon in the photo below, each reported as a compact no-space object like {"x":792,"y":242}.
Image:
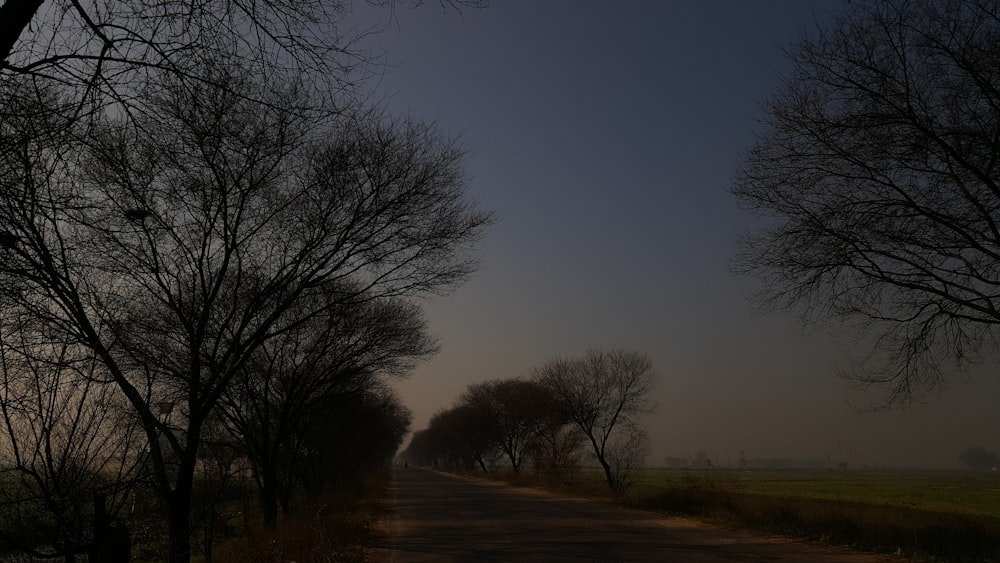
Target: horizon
{"x":604,"y":138}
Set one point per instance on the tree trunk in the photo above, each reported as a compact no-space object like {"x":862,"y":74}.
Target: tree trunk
{"x":179,"y":521}
{"x":607,"y":474}
{"x":179,"y":503}
{"x":269,"y":494}
{"x":599,"y":454}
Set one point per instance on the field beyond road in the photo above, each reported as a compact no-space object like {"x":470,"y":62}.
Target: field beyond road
{"x":939,"y":516}
{"x":439,"y":517}
{"x":956,"y":492}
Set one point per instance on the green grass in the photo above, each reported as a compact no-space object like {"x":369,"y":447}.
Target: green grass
{"x":974,"y":494}
{"x":930,"y":516}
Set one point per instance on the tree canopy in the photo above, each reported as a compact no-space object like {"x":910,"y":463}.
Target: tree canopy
{"x":168,"y":246}
{"x":877,"y":173}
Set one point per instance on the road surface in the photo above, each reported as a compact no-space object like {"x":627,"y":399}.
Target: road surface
{"x":440,"y":517}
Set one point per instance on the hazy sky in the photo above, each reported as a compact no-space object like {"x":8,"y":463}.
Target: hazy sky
{"x":604,"y":135}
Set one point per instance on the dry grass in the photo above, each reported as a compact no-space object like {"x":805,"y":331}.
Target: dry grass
{"x":584,"y":486}
{"x":335,"y":527}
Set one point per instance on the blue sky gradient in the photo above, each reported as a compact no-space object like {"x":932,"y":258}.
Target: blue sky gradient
{"x":604,"y":135}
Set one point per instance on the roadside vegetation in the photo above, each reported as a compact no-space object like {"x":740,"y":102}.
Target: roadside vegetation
{"x":571,"y":409}
{"x":213,"y":244}
{"x":336,"y":526}
{"x":328,"y":520}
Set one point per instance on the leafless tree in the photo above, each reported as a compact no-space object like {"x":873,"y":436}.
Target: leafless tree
{"x":878,"y":175}
{"x":173,"y":245}
{"x":294,"y":380}
{"x":516,"y":409}
{"x":511,"y":418}
{"x":101,"y":52}
{"x":626,"y":455}
{"x":220,"y":479}
{"x":558,"y":448}
{"x":65,"y":440}
{"x":101,"y":41}
{"x":604,"y":394}
{"x":462,"y":436}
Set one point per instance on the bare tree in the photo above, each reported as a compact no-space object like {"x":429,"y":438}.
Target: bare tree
{"x":220,"y":478}
{"x":66,"y":443}
{"x":626,"y":455}
{"x":878,"y":172}
{"x":511,"y":418}
{"x":516,"y":409}
{"x":173,"y":245}
{"x":462,"y":436}
{"x":557,"y":450}
{"x":295,"y":379}
{"x":101,"y":41}
{"x":604,"y":393}
{"x":102,"y":52}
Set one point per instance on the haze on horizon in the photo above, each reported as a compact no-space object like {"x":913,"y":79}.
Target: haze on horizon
{"x":604,"y":135}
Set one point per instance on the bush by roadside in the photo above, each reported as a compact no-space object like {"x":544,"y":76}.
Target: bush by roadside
{"x":336,"y":527}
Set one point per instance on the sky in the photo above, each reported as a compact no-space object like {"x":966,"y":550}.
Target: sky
{"x":604,"y":135}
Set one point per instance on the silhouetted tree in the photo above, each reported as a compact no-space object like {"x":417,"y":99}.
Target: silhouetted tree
{"x":626,"y":456}
{"x":300,"y":378}
{"x":513,"y":418}
{"x":515,"y":409}
{"x":979,"y":458}
{"x":464,"y":437}
{"x":103,"y":52}
{"x":353,"y":436}
{"x":65,"y":439}
{"x":172,"y":246}
{"x":604,"y":393}
{"x":219,"y":479}
{"x":878,"y":172}
{"x":558,"y":447}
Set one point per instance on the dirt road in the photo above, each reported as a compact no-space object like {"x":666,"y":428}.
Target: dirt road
{"x":437,"y":517}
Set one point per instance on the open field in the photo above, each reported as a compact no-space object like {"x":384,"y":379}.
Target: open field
{"x":933,"y":516}
{"x":929,"y":516}
{"x":965,"y":493}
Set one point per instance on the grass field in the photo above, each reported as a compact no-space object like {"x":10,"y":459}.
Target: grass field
{"x":928,"y":516}
{"x":967,"y":493}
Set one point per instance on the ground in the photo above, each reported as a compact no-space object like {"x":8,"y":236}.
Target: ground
{"x":438,"y":517}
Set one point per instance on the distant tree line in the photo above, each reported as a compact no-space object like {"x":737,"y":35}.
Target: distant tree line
{"x":978,"y":458}
{"x":702,"y":460}
{"x":568,"y":410}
